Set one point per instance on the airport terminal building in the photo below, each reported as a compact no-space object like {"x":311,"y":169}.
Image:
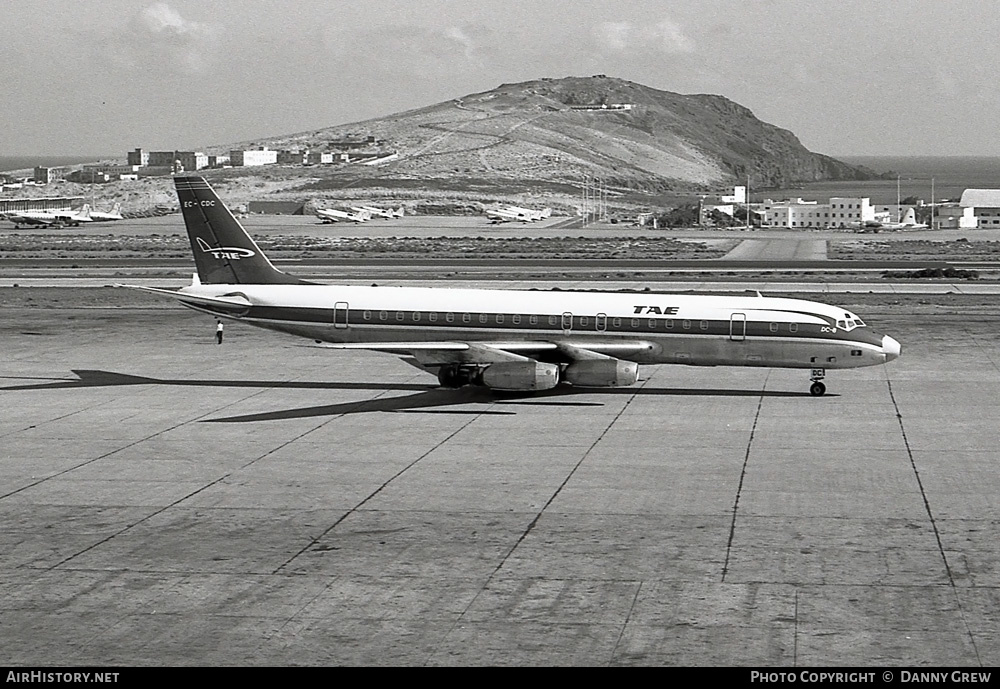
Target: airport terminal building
{"x":797,"y":213}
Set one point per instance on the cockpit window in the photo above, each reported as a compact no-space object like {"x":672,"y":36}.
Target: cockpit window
{"x":850,"y":322}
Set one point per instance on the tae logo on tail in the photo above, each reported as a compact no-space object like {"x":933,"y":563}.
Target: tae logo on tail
{"x":224,"y":252}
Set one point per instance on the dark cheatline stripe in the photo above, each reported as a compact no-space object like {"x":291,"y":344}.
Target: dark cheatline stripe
{"x":581,"y":324}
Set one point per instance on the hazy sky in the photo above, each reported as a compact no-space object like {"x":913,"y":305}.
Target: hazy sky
{"x":849,"y":77}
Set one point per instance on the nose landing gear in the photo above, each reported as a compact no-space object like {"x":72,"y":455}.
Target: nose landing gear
{"x":817,"y":388}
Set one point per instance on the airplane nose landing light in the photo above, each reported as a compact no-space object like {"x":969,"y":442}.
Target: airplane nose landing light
{"x":891,"y":348}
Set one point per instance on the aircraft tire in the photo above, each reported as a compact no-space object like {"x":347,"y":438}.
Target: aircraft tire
{"x":450,"y":377}
{"x":817,"y":389}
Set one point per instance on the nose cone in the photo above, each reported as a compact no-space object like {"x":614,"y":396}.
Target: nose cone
{"x":891,"y":348}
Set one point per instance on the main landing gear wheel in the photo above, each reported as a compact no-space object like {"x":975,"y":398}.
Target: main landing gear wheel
{"x":817,"y":389}
{"x":455,"y":376}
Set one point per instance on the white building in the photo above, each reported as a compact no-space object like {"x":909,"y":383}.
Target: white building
{"x":953,"y":216}
{"x":739,"y":195}
{"x":257,"y":156}
{"x":844,"y":211}
{"x":985,"y":205}
{"x":112,"y":169}
{"x":796,"y":213}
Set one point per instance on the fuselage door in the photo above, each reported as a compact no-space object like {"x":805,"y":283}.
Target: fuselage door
{"x":738,"y":327}
{"x":340,"y":314}
{"x":567,"y":323}
{"x":601,"y":322}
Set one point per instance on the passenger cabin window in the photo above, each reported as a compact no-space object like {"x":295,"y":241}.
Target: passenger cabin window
{"x":516,"y":319}
{"x":533,"y":320}
{"x":450,"y":317}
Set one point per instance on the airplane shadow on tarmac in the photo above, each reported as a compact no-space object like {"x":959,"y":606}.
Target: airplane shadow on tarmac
{"x":428,"y":399}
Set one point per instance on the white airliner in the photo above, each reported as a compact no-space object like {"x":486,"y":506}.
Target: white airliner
{"x":49,"y":218}
{"x":518,"y":340}
{"x":329,"y":215}
{"x":380,"y":212}
{"x":511,"y":213}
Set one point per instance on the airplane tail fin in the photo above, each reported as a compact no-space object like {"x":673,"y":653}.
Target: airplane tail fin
{"x":85,"y":212}
{"x":223,"y":251}
{"x":909,"y":217}
{"x":116,"y":209}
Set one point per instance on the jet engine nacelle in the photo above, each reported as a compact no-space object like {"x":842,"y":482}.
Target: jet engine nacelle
{"x":601,"y":373}
{"x":521,"y":375}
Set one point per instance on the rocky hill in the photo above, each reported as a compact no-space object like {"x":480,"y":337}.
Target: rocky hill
{"x":534,"y":142}
{"x":556,"y":132}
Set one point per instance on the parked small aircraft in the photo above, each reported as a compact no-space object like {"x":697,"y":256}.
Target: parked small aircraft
{"x":100,"y":216}
{"x":380,"y":212}
{"x":511,"y":213}
{"x":329,"y":215}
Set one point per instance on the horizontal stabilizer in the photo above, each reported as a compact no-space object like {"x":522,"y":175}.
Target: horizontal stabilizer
{"x":234,"y":303}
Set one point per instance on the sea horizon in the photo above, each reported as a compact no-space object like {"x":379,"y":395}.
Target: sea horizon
{"x":14,"y":163}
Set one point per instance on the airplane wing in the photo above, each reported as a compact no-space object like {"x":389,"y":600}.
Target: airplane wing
{"x":440,"y":353}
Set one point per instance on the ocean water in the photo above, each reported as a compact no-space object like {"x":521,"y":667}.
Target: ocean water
{"x":918,"y":175}
{"x":8,"y":163}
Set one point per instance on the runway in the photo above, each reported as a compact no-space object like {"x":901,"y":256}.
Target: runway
{"x":168,"y":501}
